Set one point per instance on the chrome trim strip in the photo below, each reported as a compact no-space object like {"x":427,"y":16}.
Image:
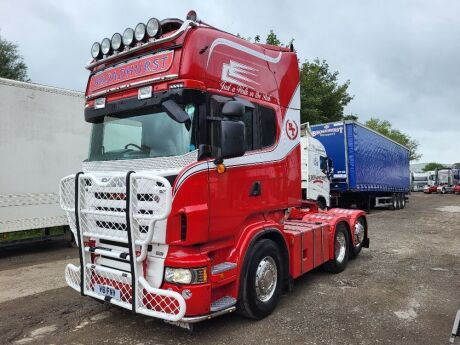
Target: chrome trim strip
{"x":175,"y":35}
{"x":195,"y":319}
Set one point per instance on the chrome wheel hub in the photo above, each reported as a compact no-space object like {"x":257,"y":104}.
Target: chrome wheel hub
{"x":359,"y":233}
{"x":266,"y":279}
{"x":340,"y":247}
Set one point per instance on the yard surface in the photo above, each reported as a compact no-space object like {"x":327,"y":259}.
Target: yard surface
{"x":404,"y":289}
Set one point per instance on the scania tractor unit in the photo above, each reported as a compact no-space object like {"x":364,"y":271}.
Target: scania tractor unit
{"x":369,"y":169}
{"x":447,"y":179}
{"x":189,"y":204}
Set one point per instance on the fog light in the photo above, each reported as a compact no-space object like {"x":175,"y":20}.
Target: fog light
{"x":106,"y":46}
{"x":96,"y":50}
{"x":139,"y":32}
{"x":128,"y":37}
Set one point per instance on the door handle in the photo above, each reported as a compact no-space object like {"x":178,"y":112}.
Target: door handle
{"x":256,"y":189}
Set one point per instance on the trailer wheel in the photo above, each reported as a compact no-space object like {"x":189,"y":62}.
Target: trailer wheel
{"x":341,"y":250}
{"x":261,"y":280}
{"x":403,"y":200}
{"x":394,"y":202}
{"x":359,"y":236}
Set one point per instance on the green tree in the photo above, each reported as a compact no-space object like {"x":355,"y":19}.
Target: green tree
{"x":272,"y":39}
{"x":12,"y":64}
{"x":384,"y":127}
{"x":351,"y":117}
{"x":433,"y":166}
{"x":322,"y":97}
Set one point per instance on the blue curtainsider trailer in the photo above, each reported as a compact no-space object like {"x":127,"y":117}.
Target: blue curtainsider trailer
{"x":369,"y":169}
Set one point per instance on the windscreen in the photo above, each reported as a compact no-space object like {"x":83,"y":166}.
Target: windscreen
{"x":150,"y":135}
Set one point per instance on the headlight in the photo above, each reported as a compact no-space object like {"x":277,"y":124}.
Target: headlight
{"x":105,"y":46}
{"x":96,"y":50}
{"x":117,"y":42}
{"x":139,"y":32}
{"x":153,"y":27}
{"x":186,"y":275}
{"x":128,"y":37}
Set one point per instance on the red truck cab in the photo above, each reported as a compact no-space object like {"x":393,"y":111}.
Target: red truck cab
{"x":189,"y":204}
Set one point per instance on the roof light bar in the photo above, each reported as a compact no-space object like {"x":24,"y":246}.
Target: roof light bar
{"x":153,"y":28}
{"x":128,"y":37}
{"x":117,"y":42}
{"x":106,"y":46}
{"x":140,"y":32}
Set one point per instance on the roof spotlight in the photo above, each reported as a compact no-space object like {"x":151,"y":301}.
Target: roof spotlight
{"x":191,"y":15}
{"x":153,"y":27}
{"x":128,"y":37}
{"x":117,"y":42}
{"x":106,"y":46}
{"x":139,"y":32}
{"x":96,"y":50}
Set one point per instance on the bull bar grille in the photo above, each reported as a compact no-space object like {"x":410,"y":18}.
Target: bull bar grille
{"x":124,"y":209}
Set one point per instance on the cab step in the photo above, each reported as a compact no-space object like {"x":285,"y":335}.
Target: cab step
{"x":222,"y":267}
{"x":223,"y":303}
{"x":108,"y":252}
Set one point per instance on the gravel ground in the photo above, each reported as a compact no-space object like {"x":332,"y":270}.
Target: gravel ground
{"x":405,"y":289}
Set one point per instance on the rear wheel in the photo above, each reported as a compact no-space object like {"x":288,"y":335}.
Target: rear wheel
{"x":261,"y":280}
{"x":341,"y":250}
{"x":359,"y":236}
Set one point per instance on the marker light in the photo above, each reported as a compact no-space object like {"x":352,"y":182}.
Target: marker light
{"x":117,"y":42}
{"x":128,"y":37}
{"x":139,"y":32}
{"x":153,"y":27}
{"x":96,"y":50}
{"x":144,"y":92}
{"x":105,"y":46}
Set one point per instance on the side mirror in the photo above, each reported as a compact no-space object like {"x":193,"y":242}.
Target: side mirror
{"x":233,"y":109}
{"x":232,"y":139}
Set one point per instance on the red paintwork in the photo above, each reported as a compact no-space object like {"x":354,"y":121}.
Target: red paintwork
{"x":222,"y":218}
{"x":457,"y":189}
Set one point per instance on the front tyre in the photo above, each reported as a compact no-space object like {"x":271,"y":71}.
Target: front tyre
{"x":261,"y":280}
{"x":341,"y":250}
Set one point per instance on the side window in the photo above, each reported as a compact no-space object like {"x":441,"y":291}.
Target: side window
{"x":249,"y":124}
{"x":267,"y":126}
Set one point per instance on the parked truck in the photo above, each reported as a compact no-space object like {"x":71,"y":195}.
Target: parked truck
{"x":189,"y":203}
{"x":447,"y":179}
{"x":316,"y":169}
{"x":419,"y":181}
{"x":370,"y":170}
{"x":41,"y":138}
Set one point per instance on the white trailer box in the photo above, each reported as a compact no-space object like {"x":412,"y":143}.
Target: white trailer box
{"x":42,"y":138}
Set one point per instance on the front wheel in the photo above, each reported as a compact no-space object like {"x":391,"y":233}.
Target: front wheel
{"x":261,"y":281}
{"x":341,"y":250}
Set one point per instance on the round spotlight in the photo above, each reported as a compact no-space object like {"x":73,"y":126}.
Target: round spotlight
{"x":117,"y":42}
{"x":96,"y":50}
{"x":153,"y":28}
{"x":105,"y":46}
{"x":128,"y":37}
{"x":139,"y":32}
{"x":191,"y":15}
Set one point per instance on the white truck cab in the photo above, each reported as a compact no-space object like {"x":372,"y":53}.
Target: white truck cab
{"x":316,"y":169}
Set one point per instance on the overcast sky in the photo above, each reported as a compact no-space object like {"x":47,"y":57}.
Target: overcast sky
{"x":402,"y":57}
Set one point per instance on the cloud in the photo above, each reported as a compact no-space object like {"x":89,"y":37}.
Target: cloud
{"x":402,"y":58}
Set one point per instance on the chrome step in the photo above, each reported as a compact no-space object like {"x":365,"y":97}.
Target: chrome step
{"x":222,"y":267}
{"x":223,"y":303}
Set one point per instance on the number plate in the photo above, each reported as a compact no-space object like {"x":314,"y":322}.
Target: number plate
{"x":107,"y":291}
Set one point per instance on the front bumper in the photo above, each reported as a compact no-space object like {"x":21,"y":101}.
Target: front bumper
{"x":163,"y":304}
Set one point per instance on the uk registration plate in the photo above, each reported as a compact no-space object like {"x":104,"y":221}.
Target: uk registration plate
{"x":107,"y":291}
